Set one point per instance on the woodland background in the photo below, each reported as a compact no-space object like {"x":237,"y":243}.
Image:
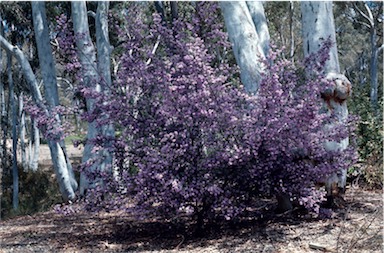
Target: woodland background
{"x":26,"y":164}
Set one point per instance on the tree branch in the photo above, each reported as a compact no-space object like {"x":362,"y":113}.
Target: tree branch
{"x":371,"y":21}
{"x":380,"y":48}
{"x":369,"y":12}
{"x":27,"y":70}
{"x":364,"y":24}
{"x":154,"y":49}
{"x":91,"y":14}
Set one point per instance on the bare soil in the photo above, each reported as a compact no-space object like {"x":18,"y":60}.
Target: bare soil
{"x":356,"y":227}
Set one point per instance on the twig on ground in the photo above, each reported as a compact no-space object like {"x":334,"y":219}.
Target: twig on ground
{"x":355,"y":238}
{"x":181,"y":242}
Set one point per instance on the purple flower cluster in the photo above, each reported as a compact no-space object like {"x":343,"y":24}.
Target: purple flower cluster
{"x":49,"y":123}
{"x":190,"y":142}
{"x":66,"y":39}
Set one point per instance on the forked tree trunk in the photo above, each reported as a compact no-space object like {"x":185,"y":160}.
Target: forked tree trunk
{"x":248,"y":32}
{"x":318,"y":24}
{"x":248,"y":45}
{"x":370,"y":21}
{"x":256,"y":9}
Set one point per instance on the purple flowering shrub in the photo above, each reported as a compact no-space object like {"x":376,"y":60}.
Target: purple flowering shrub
{"x":181,"y":128}
{"x":292,"y":156}
{"x":189,"y":141}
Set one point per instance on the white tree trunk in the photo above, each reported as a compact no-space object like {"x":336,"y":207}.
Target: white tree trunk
{"x":256,"y":9}
{"x":248,"y":46}
{"x":24,"y":161}
{"x":375,"y":49}
{"x":15,"y":172}
{"x":374,"y":68}
{"x":104,"y":67}
{"x":47,"y":66}
{"x":291,"y":30}
{"x":57,"y":155}
{"x":34,"y":146}
{"x":318,"y":24}
{"x":87,"y":58}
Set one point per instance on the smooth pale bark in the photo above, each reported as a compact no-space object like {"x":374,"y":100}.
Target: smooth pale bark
{"x":48,"y":71}
{"x":246,"y":42}
{"x":318,"y":24}
{"x":57,"y":155}
{"x":15,"y":172}
{"x":2,"y":113}
{"x":375,"y":50}
{"x":104,"y":66}
{"x":373,"y":70}
{"x":256,"y":9}
{"x":248,"y":32}
{"x":4,"y":128}
{"x":87,"y":58}
{"x":34,"y":146}
{"x":291,"y":31}
{"x":24,"y":161}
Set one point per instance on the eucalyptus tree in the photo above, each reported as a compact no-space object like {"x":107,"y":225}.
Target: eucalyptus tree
{"x":58,"y":157}
{"x":16,"y":27}
{"x":62,"y":165}
{"x":248,"y":32}
{"x":15,"y":172}
{"x":87,"y":59}
{"x":96,"y":77}
{"x":104,"y":69}
{"x":317,"y":26}
{"x":370,"y":17}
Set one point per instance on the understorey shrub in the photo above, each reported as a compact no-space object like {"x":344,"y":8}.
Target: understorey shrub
{"x":191,"y":143}
{"x":369,"y":169}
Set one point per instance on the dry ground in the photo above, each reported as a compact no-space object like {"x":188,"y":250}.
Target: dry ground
{"x":356,"y":228}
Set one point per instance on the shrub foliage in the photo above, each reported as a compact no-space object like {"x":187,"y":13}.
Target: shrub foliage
{"x":190,"y":142}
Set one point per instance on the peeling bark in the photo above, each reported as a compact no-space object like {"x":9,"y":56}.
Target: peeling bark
{"x":318,"y":24}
